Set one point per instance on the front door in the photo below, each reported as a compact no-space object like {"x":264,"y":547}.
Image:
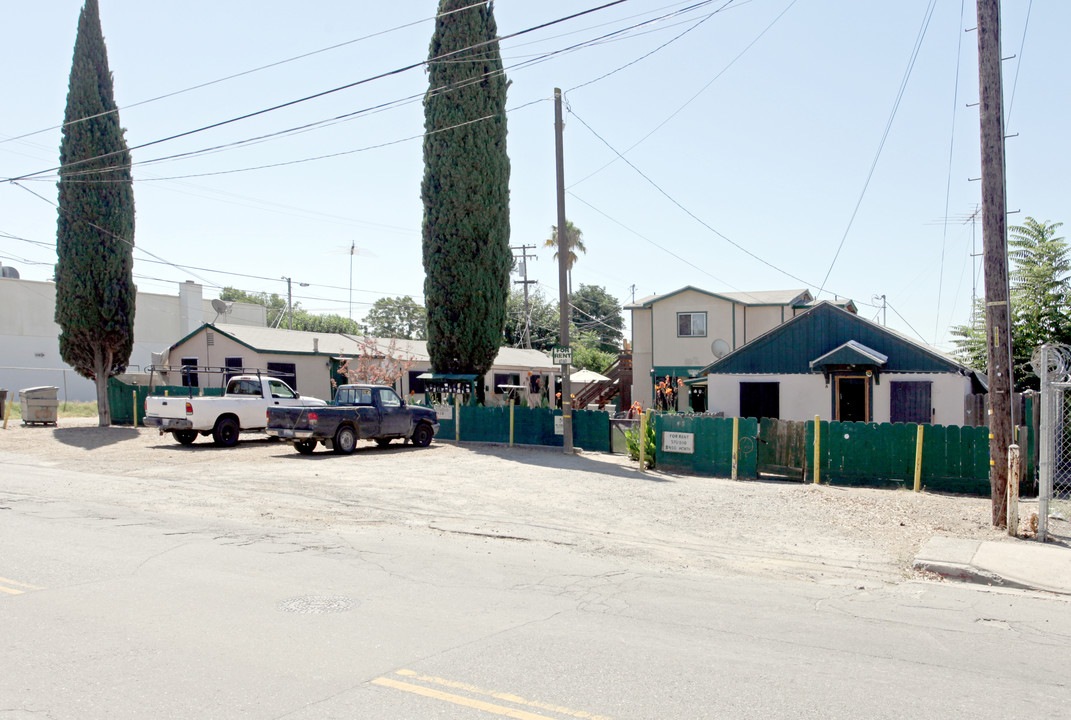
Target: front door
{"x":853,"y":398}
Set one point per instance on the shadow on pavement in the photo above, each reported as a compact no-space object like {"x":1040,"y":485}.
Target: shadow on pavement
{"x":91,"y":438}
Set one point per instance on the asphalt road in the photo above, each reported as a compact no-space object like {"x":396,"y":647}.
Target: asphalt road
{"x":113,"y":609}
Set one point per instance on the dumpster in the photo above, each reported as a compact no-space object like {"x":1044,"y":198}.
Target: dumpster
{"x":39,"y":405}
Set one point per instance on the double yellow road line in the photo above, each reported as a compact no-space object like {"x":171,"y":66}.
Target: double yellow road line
{"x":418,"y":684}
{"x":13,"y":587}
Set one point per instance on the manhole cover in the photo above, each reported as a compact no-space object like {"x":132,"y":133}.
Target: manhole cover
{"x":317,"y":604}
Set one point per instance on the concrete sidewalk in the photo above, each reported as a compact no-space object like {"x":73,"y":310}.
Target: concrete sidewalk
{"x":1008,"y":563}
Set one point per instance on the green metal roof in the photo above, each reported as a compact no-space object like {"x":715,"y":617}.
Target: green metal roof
{"x":789,"y":348}
{"x":850,"y":353}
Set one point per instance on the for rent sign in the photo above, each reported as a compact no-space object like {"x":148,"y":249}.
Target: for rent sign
{"x":678,"y":442}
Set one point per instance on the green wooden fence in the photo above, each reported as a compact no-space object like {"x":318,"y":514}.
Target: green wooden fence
{"x":954,"y":459}
{"x":531,"y":426}
{"x":121,"y":398}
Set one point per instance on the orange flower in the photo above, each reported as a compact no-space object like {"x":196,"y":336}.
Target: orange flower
{"x":680,"y":382}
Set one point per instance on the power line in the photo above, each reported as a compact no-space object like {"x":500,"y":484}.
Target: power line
{"x":324,"y":93}
{"x":1018,"y":65}
{"x":884,"y":136}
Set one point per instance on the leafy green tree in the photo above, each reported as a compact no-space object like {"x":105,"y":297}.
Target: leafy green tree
{"x":587,"y":354}
{"x":302,"y":318}
{"x":401,"y":318}
{"x":331,"y":323}
{"x":95,"y":290}
{"x":575,"y":238}
{"x":597,"y":311}
{"x":465,"y":190}
{"x":541,"y":320}
{"x":1040,"y":293}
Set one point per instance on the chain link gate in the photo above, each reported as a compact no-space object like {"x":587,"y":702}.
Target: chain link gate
{"x":1052,"y":364}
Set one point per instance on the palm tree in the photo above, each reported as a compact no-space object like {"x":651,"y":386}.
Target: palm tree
{"x":574,"y":235}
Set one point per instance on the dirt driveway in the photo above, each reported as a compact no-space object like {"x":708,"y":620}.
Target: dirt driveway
{"x":598,"y":504}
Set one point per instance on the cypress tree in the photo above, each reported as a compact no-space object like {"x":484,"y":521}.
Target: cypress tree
{"x":95,"y":231}
{"x":465,"y":191}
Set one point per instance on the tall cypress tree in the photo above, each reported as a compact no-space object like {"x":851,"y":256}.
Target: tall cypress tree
{"x":95,"y":232}
{"x":465,"y":191}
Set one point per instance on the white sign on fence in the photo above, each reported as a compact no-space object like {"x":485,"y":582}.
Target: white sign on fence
{"x":444,"y":412}
{"x":677,"y":442}
{"x":559,"y":425}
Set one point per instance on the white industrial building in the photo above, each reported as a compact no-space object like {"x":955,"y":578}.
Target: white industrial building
{"x":29,"y":335}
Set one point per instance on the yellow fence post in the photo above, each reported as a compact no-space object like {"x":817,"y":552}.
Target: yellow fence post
{"x":643,"y":440}
{"x":457,"y":417}
{"x":817,"y":447}
{"x":736,"y":445}
{"x":918,"y":461}
{"x":1013,"y":490}
{"x":511,"y":423}
{"x":135,"y":394}
{"x":7,"y":413}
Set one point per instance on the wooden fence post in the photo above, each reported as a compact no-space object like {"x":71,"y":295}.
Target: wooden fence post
{"x":1013,"y":490}
{"x":643,"y":439}
{"x":135,"y":394}
{"x":736,"y":445}
{"x":918,"y":460}
{"x":511,"y":423}
{"x":817,"y":447}
{"x":457,"y":417}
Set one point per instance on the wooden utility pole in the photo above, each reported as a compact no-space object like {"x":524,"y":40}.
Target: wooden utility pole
{"x":526,"y":282}
{"x":563,"y":258}
{"x":995,"y":247}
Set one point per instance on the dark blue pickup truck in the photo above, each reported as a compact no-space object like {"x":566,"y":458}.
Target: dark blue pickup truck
{"x":359,"y":412}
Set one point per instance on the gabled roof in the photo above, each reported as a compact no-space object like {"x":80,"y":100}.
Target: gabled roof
{"x":850,"y":353}
{"x":300,"y":342}
{"x":759,"y":297}
{"x":824,"y":329}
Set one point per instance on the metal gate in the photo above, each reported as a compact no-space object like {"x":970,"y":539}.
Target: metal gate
{"x":1052,"y":364}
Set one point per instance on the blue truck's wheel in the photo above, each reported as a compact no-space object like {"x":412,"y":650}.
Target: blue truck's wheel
{"x":422,"y":435}
{"x":305,"y":447}
{"x":345,"y":440}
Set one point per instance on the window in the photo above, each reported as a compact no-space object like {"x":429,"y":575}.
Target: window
{"x":910,"y":402}
{"x":286,"y":372}
{"x":692,"y":324}
{"x":760,"y":400}
{"x":189,"y":379}
{"x":389,"y":398}
{"x":505,"y":379}
{"x":233,"y":362}
{"x":416,"y":383}
{"x":280,"y":390}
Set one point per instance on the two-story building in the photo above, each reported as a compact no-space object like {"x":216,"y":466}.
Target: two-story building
{"x":677,"y":334}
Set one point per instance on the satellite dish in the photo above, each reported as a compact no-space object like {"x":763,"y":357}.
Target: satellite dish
{"x":221,"y":308}
{"x":9,"y":272}
{"x":720,"y":348}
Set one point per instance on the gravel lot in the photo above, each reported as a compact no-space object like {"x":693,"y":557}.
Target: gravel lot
{"x":598,"y":504}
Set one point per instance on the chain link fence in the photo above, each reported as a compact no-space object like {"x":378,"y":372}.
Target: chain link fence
{"x":1052,"y":364}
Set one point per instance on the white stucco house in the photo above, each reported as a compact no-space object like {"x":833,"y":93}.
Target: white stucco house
{"x":831,"y":363}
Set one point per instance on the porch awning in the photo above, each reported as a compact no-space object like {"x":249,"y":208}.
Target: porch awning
{"x":850,"y":354}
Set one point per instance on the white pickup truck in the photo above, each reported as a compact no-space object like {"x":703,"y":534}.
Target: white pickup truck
{"x":244,"y":406}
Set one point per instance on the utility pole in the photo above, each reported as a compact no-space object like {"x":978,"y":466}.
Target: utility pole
{"x":995,"y":248}
{"x":563,"y":257}
{"x":526,"y":282}
{"x":289,"y":305}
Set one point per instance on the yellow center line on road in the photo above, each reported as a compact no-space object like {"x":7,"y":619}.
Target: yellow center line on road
{"x":479,"y":704}
{"x":13,"y":591}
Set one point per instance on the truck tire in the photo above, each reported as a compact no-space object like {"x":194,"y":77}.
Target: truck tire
{"x":422,"y":435}
{"x":225,"y":433}
{"x":345,"y":440}
{"x":185,"y":437}
{"x":305,"y":447}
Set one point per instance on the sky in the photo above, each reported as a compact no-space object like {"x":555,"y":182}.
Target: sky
{"x":730,"y":145}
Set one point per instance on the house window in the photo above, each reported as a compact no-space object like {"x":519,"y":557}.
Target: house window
{"x":910,"y":402}
{"x":416,"y":383}
{"x":760,"y":400}
{"x":233,"y":362}
{"x":189,"y":379}
{"x":287,"y":372}
{"x":691,"y":324}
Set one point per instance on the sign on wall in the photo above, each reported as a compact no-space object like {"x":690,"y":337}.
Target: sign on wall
{"x":559,"y":425}
{"x":444,"y":412}
{"x":678,"y":442}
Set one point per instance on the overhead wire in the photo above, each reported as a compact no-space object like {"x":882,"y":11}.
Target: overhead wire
{"x":324,"y":93}
{"x":927,"y":15}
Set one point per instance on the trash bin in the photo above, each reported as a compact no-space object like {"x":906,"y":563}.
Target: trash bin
{"x":39,"y":405}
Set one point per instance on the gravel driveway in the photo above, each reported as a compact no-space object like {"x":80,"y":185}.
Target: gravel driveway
{"x":599,"y":504}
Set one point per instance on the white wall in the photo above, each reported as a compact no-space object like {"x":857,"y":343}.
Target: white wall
{"x":804,"y":396}
{"x":29,"y":335}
